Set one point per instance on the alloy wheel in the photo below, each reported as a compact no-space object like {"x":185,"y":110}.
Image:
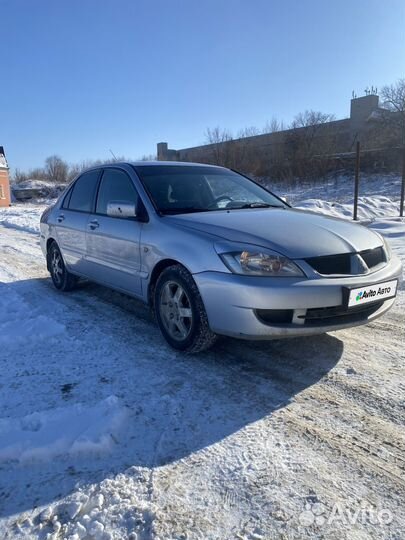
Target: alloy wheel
{"x":57,"y":266}
{"x":175,"y":310}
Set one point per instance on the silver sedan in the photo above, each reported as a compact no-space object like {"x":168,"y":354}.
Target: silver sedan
{"x":214,"y":253}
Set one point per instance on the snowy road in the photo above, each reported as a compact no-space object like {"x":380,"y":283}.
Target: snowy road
{"x":284,"y":439}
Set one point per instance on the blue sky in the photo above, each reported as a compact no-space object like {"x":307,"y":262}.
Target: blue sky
{"x":79,"y":77}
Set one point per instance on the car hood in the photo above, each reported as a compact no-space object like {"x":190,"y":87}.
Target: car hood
{"x":297,"y":234}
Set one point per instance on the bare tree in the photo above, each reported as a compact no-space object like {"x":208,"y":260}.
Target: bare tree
{"x":312,"y":119}
{"x":217,"y":135}
{"x":38,"y":173}
{"x":221,"y":141}
{"x":311,"y":143}
{"x":76,"y":168}
{"x":251,"y":131}
{"x":148,"y":157}
{"x":393,"y":101}
{"x":56,"y":169}
{"x":19,"y":177}
{"x":393,"y":96}
{"x":273,"y":126}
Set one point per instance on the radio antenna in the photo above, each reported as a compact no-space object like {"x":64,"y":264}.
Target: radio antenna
{"x":113,"y":155}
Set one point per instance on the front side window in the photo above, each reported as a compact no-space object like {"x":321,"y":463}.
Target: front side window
{"x":185,"y":189}
{"x":83,"y":192}
{"x":115,"y":185}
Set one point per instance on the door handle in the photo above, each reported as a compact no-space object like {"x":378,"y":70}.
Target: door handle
{"x":94,"y":224}
{"x":60,"y":218}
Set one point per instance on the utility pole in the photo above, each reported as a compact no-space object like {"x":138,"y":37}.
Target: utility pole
{"x":356,"y":181}
{"x":401,"y":203}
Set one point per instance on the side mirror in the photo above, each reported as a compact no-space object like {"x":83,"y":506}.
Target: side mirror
{"x":121,"y":209}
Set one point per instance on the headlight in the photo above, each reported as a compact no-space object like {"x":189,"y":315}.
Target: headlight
{"x":260,"y":263}
{"x":387,"y":249}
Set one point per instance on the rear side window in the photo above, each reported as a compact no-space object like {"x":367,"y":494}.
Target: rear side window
{"x":83,"y":192}
{"x":115,"y":185}
{"x":66,"y":199}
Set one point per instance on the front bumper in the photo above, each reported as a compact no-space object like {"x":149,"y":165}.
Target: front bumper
{"x":232,"y":302}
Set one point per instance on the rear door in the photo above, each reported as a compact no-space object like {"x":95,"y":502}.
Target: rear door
{"x":72,"y":218}
{"x":113,"y":243}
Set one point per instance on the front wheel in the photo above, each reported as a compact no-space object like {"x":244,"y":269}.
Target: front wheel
{"x":180,"y":312}
{"x":62,"y":279}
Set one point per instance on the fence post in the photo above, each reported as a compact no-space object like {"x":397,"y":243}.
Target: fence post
{"x":356,"y":181}
{"x":401,"y":203}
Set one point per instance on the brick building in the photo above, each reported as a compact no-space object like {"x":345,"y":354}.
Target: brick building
{"x":5,"y":196}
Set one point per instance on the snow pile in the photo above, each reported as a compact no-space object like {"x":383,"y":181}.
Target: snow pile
{"x":19,"y":323}
{"x":24,"y":217}
{"x":44,"y":188}
{"x":368,"y":207}
{"x":118,"y":507}
{"x":77,"y":429}
{"x":338,"y":188}
{"x":394,"y":230}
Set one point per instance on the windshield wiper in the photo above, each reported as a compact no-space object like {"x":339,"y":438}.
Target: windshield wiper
{"x":193,"y":209}
{"x":255,"y":205}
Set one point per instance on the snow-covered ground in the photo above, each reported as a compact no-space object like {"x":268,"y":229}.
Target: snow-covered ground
{"x":107,"y":433}
{"x":340,"y":188}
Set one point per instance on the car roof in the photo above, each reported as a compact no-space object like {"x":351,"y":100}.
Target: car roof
{"x":160,"y":163}
{"x":145,"y":164}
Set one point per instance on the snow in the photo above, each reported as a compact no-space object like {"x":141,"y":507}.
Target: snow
{"x":39,"y":184}
{"x":3,"y":162}
{"x":77,"y":429}
{"x":22,"y":216}
{"x":339,"y":188}
{"x":106,"y":433}
{"x":19,"y":323}
{"x":368,"y":207}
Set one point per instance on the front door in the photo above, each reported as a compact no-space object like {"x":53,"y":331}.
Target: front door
{"x":113,"y":243}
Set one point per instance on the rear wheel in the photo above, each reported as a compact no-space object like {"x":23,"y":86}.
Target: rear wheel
{"x":62,"y":279}
{"x":180,"y":312}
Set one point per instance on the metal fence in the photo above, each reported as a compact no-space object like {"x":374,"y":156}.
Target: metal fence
{"x":351,"y":179}
{"x":357,"y":179}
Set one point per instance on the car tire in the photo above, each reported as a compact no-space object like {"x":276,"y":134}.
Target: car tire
{"x":61,"y":278}
{"x":180,"y":312}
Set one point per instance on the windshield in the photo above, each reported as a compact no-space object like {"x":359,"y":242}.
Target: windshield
{"x":185,"y":189}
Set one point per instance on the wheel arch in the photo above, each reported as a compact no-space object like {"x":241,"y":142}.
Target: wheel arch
{"x":157,"y":270}
{"x":49,"y":242}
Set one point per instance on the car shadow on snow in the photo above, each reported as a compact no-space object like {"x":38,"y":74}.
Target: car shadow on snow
{"x":177,"y":404}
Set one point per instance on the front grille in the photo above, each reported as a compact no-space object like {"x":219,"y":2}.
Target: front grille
{"x":331,"y":264}
{"x":373,"y":257}
{"x":344,"y":264}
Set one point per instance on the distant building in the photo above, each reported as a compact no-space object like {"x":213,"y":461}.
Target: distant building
{"x":5,"y":197}
{"x":365,"y":113}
